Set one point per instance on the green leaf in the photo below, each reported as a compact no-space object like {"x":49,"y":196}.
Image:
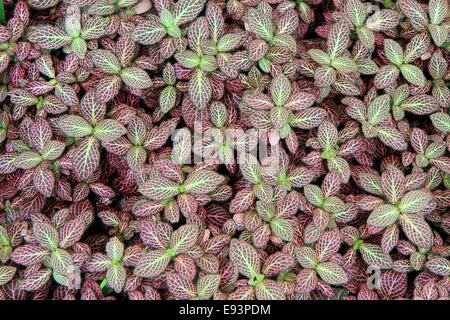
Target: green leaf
{"x":383,"y":216}
{"x":74,"y":126}
{"x":245,"y":258}
{"x":86,"y":158}
{"x":332,"y":273}
{"x":109,"y":130}
{"x":415,"y":201}
{"x":203,"y":182}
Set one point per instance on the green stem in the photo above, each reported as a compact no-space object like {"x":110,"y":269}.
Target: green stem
{"x":2,"y":13}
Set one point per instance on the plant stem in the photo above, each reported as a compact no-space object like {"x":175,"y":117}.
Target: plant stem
{"x":2,"y":13}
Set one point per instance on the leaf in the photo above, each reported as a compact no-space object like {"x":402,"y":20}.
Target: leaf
{"x":393,"y":51}
{"x":245,"y":258}
{"x":328,"y":245}
{"x":439,"y":266}
{"x":260,"y":24}
{"x":203,"y":181}
{"x":180,"y":287}
{"x":383,"y":216}
{"x":159,"y":188}
{"x":109,"y":130}
{"x":135,"y":78}
{"x":417,"y":230}
{"x":36,"y":280}
{"x":74,"y":126}
{"x":207,"y":286}
{"x":332,"y":273}
{"x":374,"y":257}
{"x":308,"y":118}
{"x":184,"y":238}
{"x":383,"y":20}
{"x":92,"y":110}
{"x":420,"y":104}
{"x":327,"y":135}
{"x":415,"y":201}
{"x":116,"y":275}
{"x":187,"y":10}
{"x":105,"y":61}
{"x":50,"y":37}
{"x":200,"y":89}
{"x":413,"y":75}
{"x":86,"y":158}
{"x":71,"y":232}
{"x":338,"y":39}
{"x":392,"y":138}
{"x":269,"y":290}
{"x":6,"y":274}
{"x":393,"y":184}
{"x":356,"y":11}
{"x":46,"y":235}
{"x":29,"y":255}
{"x":441,"y":121}
{"x":149,"y":32}
{"x":152,"y":264}
{"x":280,"y":90}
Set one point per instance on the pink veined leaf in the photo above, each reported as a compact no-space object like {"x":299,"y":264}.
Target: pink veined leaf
{"x":50,"y":37}
{"x":74,"y":126}
{"x":42,"y":134}
{"x":29,"y":255}
{"x":282,"y":228}
{"x":71,"y":232}
{"x":383,"y":20}
{"x":86,"y":158}
{"x":392,"y":138}
{"x":152,"y":264}
{"x":327,"y":135}
{"x":44,"y":181}
{"x":180,"y":287}
{"x":184,"y":238}
{"x":91,"y":109}
{"x":276,"y":263}
{"x":109,"y":130}
{"x":200,"y":89}
{"x":269,"y":290}
{"x":306,"y":281}
{"x":374,"y":257}
{"x":393,"y":284}
{"x":260,"y":24}
{"x":306,"y":257}
{"x":439,"y":266}
{"x":245,"y":258}
{"x":338,"y":39}
{"x":332,"y":273}
{"x":135,"y":78}
{"x":328,"y":245}
{"x":393,"y":184}
{"x":106,"y":61}
{"x":116,"y":276}
{"x":207,"y":286}
{"x":324,"y":76}
{"x":280,"y":90}
{"x":414,"y":11}
{"x":417,"y":230}
{"x":202,"y":181}
{"x":149,"y":32}
{"x":187,"y":10}
{"x":308,"y":118}
{"x":6,"y":274}
{"x":46,"y":235}
{"x":36,"y":280}
{"x":383,"y":216}
{"x":159,"y":188}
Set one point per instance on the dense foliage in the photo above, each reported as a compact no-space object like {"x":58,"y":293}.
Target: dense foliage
{"x":101,"y":105}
